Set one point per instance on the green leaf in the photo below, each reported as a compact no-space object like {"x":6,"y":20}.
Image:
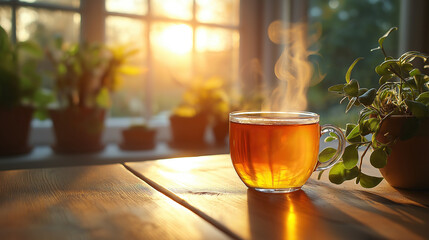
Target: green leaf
{"x":415,"y":72}
{"x":419,"y":80}
{"x":4,"y":41}
{"x":336,"y":174}
{"x":385,"y":67}
{"x":330,"y":139}
{"x":423,"y":98}
{"x":367,"y":181}
{"x":382,"y":38}
{"x":368,"y":97}
{"x":378,"y":158}
{"x":385,"y":78}
{"x":349,"y":128}
{"x":327,"y":154}
{"x":350,"y":157}
{"x":351,"y":173}
{"x":407,"y":67}
{"x":369,"y":126}
{"x":336,"y":88}
{"x":349,"y":71}
{"x":352,"y":88}
{"x":351,"y":103}
{"x":362,"y":91}
{"x":353,"y":133}
{"x":411,"y":55}
{"x":418,"y":109}
{"x":103,"y":98}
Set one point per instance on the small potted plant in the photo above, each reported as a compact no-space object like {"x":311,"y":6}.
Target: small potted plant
{"x":138,"y":137}
{"x":188,"y":127}
{"x":204,"y":103}
{"x":85,"y":75}
{"x":20,"y":93}
{"x":393,"y":123}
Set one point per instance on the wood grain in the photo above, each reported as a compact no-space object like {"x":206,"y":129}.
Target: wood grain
{"x":320,"y":211}
{"x":93,"y":202}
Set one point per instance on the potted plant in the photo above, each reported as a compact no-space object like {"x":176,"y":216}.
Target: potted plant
{"x":204,"y":103}
{"x":393,"y":123}
{"x":188,"y":127}
{"x":138,"y":137}
{"x":84,"y":76}
{"x":20,"y":93}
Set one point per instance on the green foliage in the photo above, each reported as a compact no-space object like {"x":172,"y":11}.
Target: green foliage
{"x":85,"y":74}
{"x":326,"y":154}
{"x":347,"y":30}
{"x":403,"y":90}
{"x":205,"y":96}
{"x":20,"y":80}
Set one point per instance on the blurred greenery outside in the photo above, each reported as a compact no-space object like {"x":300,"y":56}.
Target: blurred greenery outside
{"x":350,"y":29}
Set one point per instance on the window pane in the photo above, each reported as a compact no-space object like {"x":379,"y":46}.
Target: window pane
{"x":5,"y":18}
{"x":177,"y":9}
{"x":129,"y":99}
{"x":71,"y":3}
{"x":349,"y":30}
{"x":127,"y":6}
{"x":217,"y":53}
{"x":172,"y":54}
{"x":220,"y":11}
{"x":38,"y":25}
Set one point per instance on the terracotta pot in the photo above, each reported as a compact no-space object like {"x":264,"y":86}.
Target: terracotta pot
{"x":14,"y":130}
{"x":407,"y":165}
{"x":188,"y":131}
{"x":220,"y":131}
{"x":135,"y":138}
{"x":78,"y":130}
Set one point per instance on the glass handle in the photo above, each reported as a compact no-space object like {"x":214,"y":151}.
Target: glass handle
{"x":340,"y":150}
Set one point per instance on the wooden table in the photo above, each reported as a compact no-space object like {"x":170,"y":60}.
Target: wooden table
{"x":197,"y":198}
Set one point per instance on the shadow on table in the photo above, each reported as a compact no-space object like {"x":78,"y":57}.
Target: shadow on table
{"x":419,"y":196}
{"x":295,"y":216}
{"x":412,"y":216}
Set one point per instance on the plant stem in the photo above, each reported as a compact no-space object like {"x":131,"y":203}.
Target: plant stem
{"x":363,"y":155}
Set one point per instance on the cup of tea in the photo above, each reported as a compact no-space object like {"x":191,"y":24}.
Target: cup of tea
{"x":276,"y":152}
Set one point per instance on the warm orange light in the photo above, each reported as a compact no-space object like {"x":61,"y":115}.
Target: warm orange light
{"x":291,"y":222}
{"x":176,"y":39}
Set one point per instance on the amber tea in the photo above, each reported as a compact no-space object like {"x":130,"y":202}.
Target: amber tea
{"x":275,"y":152}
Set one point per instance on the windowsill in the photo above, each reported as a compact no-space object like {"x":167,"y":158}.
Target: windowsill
{"x":43,"y":156}
{"x":42,"y":138}
{"x":42,"y":132}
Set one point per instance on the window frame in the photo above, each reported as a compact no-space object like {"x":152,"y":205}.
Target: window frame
{"x":93,"y":16}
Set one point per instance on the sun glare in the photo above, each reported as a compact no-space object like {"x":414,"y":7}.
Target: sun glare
{"x":176,"y":39}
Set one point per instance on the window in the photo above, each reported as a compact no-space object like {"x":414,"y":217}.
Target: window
{"x":177,"y":41}
{"x":180,"y":40}
{"x":349,"y":29}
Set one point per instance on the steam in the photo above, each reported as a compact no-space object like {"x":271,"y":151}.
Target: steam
{"x":293,"y":68}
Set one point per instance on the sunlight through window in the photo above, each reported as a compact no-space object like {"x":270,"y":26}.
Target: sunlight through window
{"x":176,"y":39}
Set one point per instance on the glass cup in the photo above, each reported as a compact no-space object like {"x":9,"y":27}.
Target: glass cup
{"x":276,"y":152}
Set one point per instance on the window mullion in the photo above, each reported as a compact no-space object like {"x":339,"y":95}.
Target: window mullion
{"x":149,"y":75}
{"x":93,"y":15}
{"x":13,"y":21}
